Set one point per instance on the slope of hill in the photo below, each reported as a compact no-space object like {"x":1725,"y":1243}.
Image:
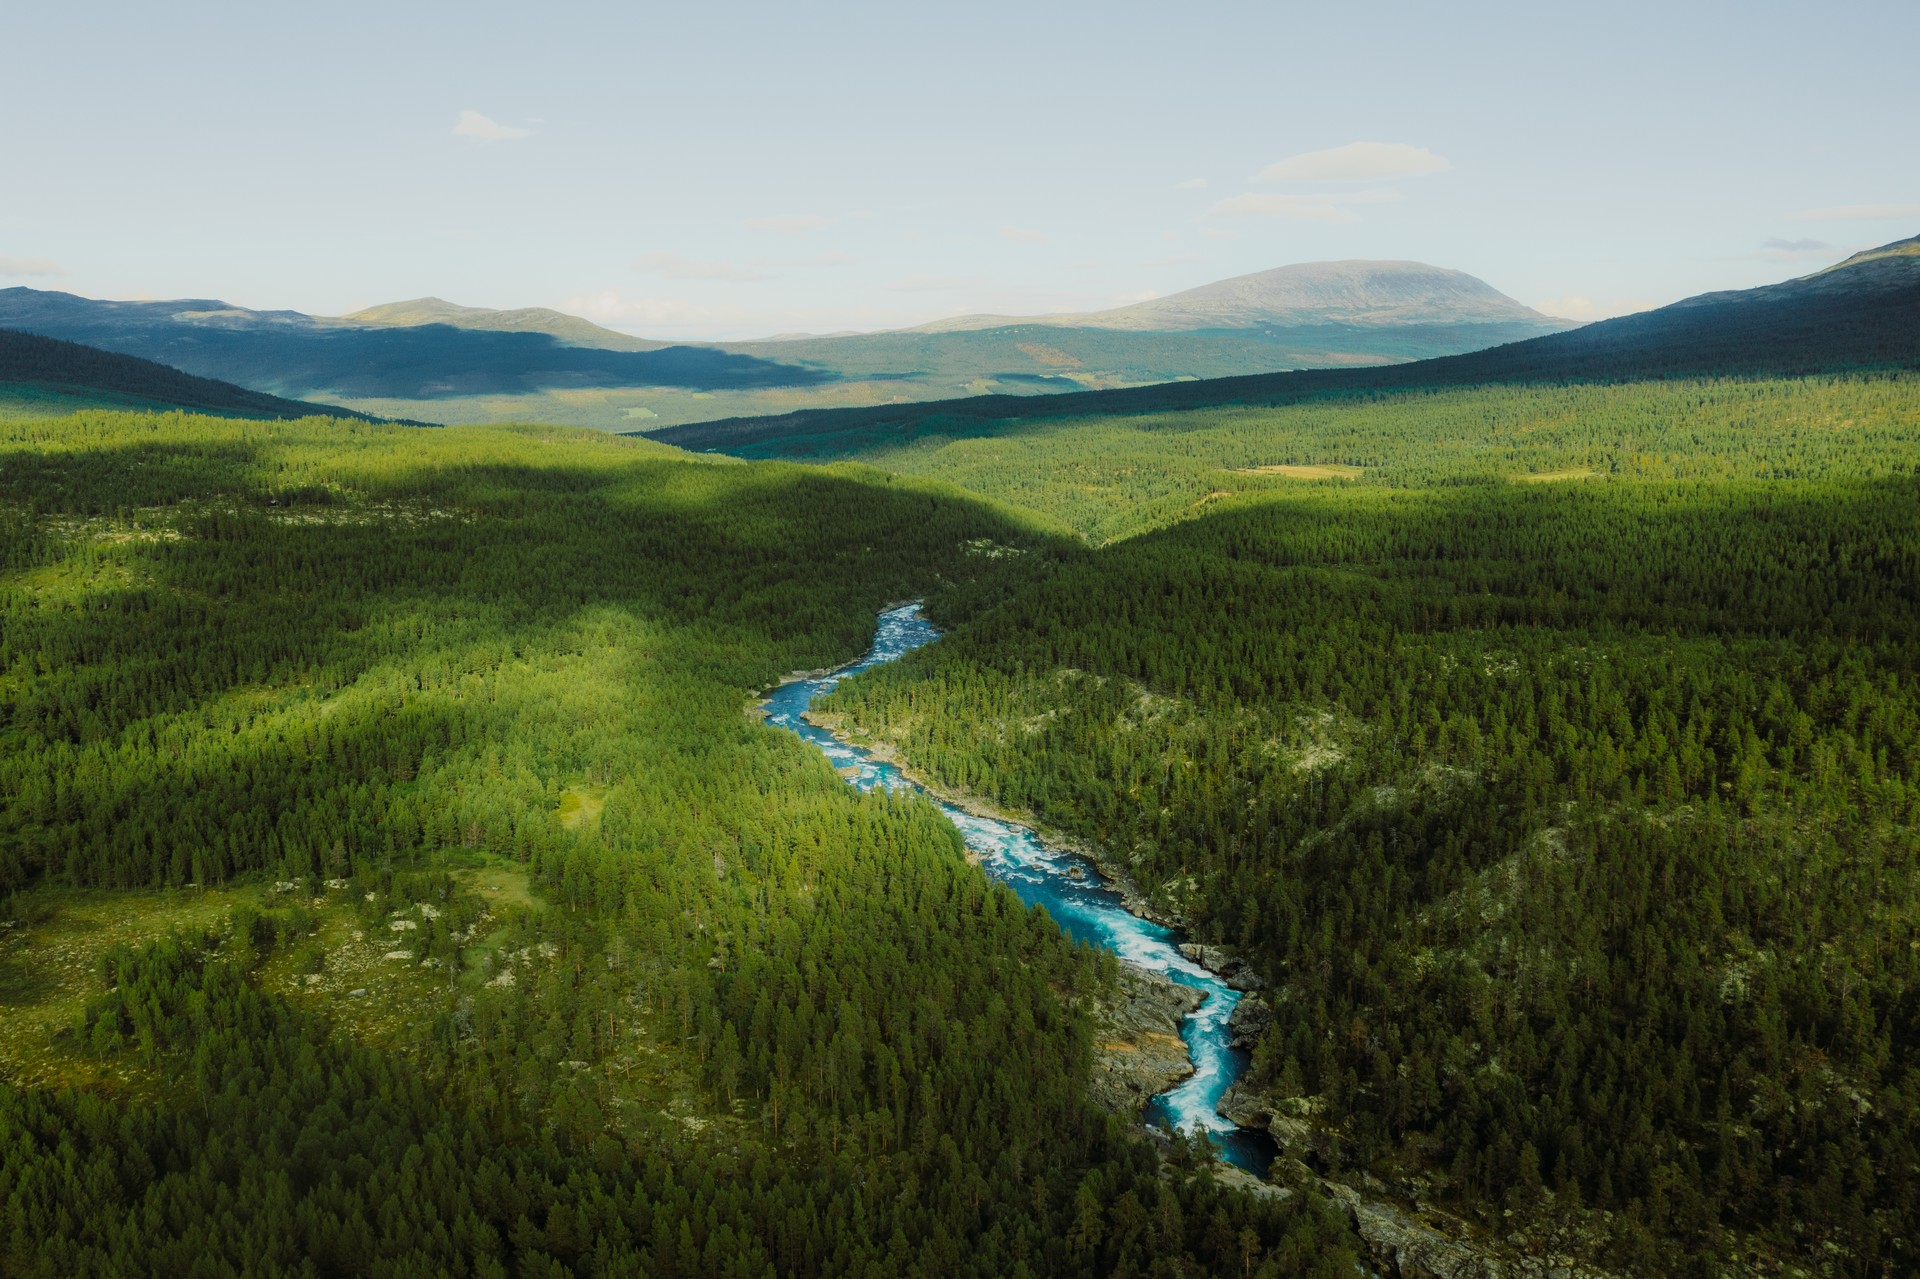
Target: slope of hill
{"x":431,"y":358}
{"x":1860,"y":314}
{"x":527,"y":319}
{"x":288,"y":353}
{"x":44,"y":374}
{"x":1351,"y":293}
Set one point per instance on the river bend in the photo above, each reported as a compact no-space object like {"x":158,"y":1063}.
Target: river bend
{"x":1074,"y":893}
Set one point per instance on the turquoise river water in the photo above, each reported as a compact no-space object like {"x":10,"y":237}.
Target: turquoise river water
{"x":1075,"y":895}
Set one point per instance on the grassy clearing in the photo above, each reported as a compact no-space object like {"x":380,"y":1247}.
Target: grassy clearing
{"x":49,"y":964}
{"x":1328,"y":471}
{"x":580,"y":807}
{"x":344,"y":967}
{"x":1555,"y":477}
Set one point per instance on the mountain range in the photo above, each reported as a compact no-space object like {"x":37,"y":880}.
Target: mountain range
{"x":1360,"y":294}
{"x":1862,"y":313}
{"x":433,"y":359}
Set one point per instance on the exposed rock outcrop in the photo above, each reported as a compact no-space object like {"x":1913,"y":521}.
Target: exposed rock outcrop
{"x":1233,"y":970}
{"x":1251,"y":1018}
{"x":1402,"y":1247}
{"x":1138,"y":1051}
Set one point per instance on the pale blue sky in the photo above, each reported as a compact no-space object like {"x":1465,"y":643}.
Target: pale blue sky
{"x":734,"y":170}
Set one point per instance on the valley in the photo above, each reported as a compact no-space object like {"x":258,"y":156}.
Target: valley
{"x":1451,"y":817}
{"x":431,"y":360}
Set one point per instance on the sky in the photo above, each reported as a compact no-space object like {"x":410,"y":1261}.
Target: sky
{"x":729,"y":171}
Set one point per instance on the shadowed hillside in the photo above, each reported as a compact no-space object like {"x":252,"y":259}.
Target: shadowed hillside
{"x":288,"y":353}
{"x":50,"y":374}
{"x":1862,"y":314}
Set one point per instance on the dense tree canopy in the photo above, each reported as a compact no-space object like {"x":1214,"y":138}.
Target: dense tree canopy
{"x":343,"y":661}
{"x":1573,"y":825}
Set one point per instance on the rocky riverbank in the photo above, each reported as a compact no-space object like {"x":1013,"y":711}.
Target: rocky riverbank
{"x":1138,"y":1052}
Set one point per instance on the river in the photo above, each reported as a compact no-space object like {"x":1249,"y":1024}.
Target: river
{"x":1075,"y":895}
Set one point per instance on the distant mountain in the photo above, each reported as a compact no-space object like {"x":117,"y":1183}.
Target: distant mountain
{"x":1860,"y":314}
{"x":288,"y":353}
{"x":527,"y":319}
{"x":1359,"y":294}
{"x":63,"y":375}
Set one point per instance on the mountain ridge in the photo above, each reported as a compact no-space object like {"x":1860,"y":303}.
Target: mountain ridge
{"x":567,"y":328}
{"x":1355,"y":292}
{"x":1863,"y":313}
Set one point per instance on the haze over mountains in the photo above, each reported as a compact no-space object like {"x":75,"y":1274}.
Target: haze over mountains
{"x":1860,"y":314}
{"x":1358,"y":293}
{"x":436,"y":360}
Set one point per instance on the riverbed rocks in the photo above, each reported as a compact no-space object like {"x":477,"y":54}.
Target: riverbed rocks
{"x":1403,"y":1247}
{"x":1233,"y":970}
{"x":1138,"y":1051}
{"x":1251,"y":1019}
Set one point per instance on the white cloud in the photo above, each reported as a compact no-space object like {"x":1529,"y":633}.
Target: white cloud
{"x":703,"y":321}
{"x":1129,"y":299}
{"x":1021,"y":235}
{"x":1191,"y":184}
{"x":1357,"y":162}
{"x":1215,"y":233}
{"x":1303,"y":208}
{"x":671,"y":266}
{"x":1577,"y":306}
{"x":1859,"y":213}
{"x":29,"y":266}
{"x":1779,"y":250}
{"x":790,"y":223}
{"x":1172,"y":259}
{"x":472,"y":124}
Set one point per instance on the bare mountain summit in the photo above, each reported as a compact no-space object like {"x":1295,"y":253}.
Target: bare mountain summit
{"x":527,"y":319}
{"x":1356,"y":293}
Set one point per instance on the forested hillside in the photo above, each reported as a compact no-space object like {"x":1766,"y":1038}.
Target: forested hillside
{"x":1572,"y":825}
{"x":395,"y":883}
{"x":35,"y":370}
{"x":1862,"y":314}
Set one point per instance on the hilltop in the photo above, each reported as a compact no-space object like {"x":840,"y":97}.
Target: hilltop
{"x":431,"y":358}
{"x":1364,"y":294}
{"x":1860,"y":314}
{"x":570,"y":329}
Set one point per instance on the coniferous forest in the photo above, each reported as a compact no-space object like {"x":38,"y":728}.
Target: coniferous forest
{"x":396,"y":884}
{"x":1568,"y":815}
{"x":397,"y":879}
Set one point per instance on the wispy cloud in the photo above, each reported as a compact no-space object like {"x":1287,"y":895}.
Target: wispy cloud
{"x":1191,"y":184}
{"x":671,"y":266}
{"x":1021,"y":235}
{"x":933,"y":283}
{"x":1303,"y":208}
{"x":472,"y":124}
{"x":1779,"y":250}
{"x":790,"y":223}
{"x":1578,"y":306}
{"x":1859,"y":213}
{"x":1357,"y":162}
{"x":22,"y":267}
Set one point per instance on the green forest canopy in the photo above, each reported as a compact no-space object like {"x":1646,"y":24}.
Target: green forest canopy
{"x":353,"y":665}
{"x":1572,"y":824}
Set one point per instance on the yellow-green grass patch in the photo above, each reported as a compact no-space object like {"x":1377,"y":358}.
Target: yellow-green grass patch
{"x":1318,"y":471}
